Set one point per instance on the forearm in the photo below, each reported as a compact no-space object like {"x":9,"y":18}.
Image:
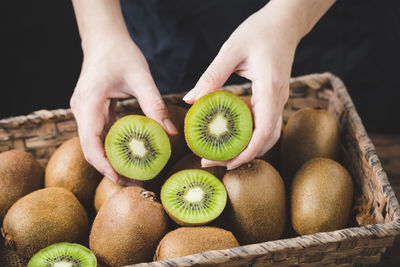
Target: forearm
{"x":99,"y":21}
{"x":297,"y":16}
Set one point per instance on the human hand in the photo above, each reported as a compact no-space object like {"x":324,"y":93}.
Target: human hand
{"x":114,"y":68}
{"x":261,"y":49}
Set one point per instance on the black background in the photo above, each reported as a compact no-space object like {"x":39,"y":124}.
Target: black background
{"x":357,"y":40}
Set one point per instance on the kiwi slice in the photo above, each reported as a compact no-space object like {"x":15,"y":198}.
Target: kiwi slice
{"x":137,"y":147}
{"x":218,"y":126}
{"x":64,"y":254}
{"x":193,"y":197}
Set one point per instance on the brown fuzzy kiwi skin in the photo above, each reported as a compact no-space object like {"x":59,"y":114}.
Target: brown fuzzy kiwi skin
{"x":192,"y":161}
{"x":20,"y":174}
{"x":128,"y":227}
{"x":44,"y":217}
{"x":178,"y":144}
{"x":104,"y":191}
{"x":68,"y":168}
{"x":309,"y":133}
{"x":191,"y":240}
{"x":256,"y":205}
{"x":321,"y":197}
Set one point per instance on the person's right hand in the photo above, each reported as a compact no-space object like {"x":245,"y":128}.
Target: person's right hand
{"x":111,"y":70}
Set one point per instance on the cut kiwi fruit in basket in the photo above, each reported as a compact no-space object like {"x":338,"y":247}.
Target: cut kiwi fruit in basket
{"x":137,"y":147}
{"x":64,"y":254}
{"x":193,"y":197}
{"x":218,"y":126}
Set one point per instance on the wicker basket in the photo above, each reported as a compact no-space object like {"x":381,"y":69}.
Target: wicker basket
{"x":376,"y":210}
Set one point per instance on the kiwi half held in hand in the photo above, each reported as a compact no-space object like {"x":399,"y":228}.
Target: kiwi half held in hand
{"x":137,"y":147}
{"x":218,"y":126}
{"x":193,"y":197}
{"x":64,"y":254}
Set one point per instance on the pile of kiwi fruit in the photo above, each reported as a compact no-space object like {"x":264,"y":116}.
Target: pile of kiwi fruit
{"x":69,"y":214}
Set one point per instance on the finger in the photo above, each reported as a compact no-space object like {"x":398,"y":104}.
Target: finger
{"x":267,"y":109}
{"x":91,"y":121}
{"x":249,"y":153}
{"x":224,"y":64}
{"x":205,"y":163}
{"x":274,"y":138}
{"x":151,"y":102}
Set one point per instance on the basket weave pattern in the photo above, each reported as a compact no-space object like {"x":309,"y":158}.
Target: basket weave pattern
{"x":376,"y":211}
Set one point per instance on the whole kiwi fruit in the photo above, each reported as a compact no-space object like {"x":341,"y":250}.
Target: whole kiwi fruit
{"x":309,"y":133}
{"x":44,"y":217}
{"x":104,"y":191}
{"x":178,"y":145}
{"x":256,"y":205}
{"x":192,"y":161}
{"x":321,"y":197}
{"x":128,"y":227}
{"x":20,"y":174}
{"x":68,"y":168}
{"x":191,"y":240}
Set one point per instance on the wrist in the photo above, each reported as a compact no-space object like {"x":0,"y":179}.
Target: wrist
{"x":296,"y":17}
{"x":104,"y":41}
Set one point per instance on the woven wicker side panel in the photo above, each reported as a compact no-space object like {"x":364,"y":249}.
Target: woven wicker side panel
{"x":287,"y":252}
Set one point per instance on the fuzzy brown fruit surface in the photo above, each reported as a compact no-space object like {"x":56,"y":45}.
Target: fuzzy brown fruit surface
{"x":256,"y":202}
{"x":128,"y":227}
{"x":309,"y":133}
{"x":178,"y":144}
{"x":104,"y":191}
{"x":69,"y":169}
{"x":44,"y":217}
{"x":191,"y":240}
{"x":20,"y":174}
{"x":192,"y":161}
{"x":321,"y":197}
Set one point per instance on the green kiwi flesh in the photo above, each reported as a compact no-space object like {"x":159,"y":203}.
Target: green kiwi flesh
{"x":64,"y":255}
{"x":193,"y":197}
{"x":218,"y":126}
{"x":137,"y":147}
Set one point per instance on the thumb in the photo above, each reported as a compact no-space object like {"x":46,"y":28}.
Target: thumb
{"x":223,"y":65}
{"x":152,"y":104}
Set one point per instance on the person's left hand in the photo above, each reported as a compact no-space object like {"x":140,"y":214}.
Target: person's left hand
{"x":261,"y":49}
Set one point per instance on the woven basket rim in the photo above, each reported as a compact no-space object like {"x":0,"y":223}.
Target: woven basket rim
{"x":346,"y":234}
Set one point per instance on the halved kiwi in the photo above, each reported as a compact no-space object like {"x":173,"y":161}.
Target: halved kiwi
{"x":64,"y":254}
{"x":218,"y":126}
{"x":137,"y":147}
{"x":193,"y":197}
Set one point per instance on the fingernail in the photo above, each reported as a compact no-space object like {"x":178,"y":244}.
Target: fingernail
{"x":189,"y":95}
{"x":170,"y":127}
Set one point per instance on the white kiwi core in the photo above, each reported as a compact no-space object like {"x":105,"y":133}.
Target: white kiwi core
{"x":138,"y":148}
{"x":194,"y":194}
{"x":63,"y":264}
{"x":219,"y":125}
